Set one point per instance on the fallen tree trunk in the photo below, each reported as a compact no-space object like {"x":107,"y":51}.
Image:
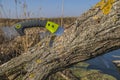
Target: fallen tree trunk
{"x":92,"y":34}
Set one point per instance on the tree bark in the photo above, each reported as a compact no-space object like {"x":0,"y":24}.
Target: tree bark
{"x":91,"y":35}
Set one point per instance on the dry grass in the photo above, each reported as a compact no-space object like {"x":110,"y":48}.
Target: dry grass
{"x":10,"y":22}
{"x":13,"y":48}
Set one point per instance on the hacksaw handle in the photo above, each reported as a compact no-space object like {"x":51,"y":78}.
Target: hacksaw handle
{"x":21,"y":26}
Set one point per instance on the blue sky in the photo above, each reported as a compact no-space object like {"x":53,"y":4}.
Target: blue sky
{"x":44,"y":8}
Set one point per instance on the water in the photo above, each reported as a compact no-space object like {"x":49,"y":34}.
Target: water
{"x":9,"y":32}
{"x":105,"y":65}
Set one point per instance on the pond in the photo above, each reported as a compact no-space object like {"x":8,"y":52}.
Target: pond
{"x":105,"y":65}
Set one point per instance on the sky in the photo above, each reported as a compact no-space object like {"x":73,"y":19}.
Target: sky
{"x":44,"y":8}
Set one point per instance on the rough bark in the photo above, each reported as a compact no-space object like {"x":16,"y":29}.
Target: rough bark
{"x":85,"y":39}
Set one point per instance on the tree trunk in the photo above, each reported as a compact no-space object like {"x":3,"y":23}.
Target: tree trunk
{"x":91,"y":35}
